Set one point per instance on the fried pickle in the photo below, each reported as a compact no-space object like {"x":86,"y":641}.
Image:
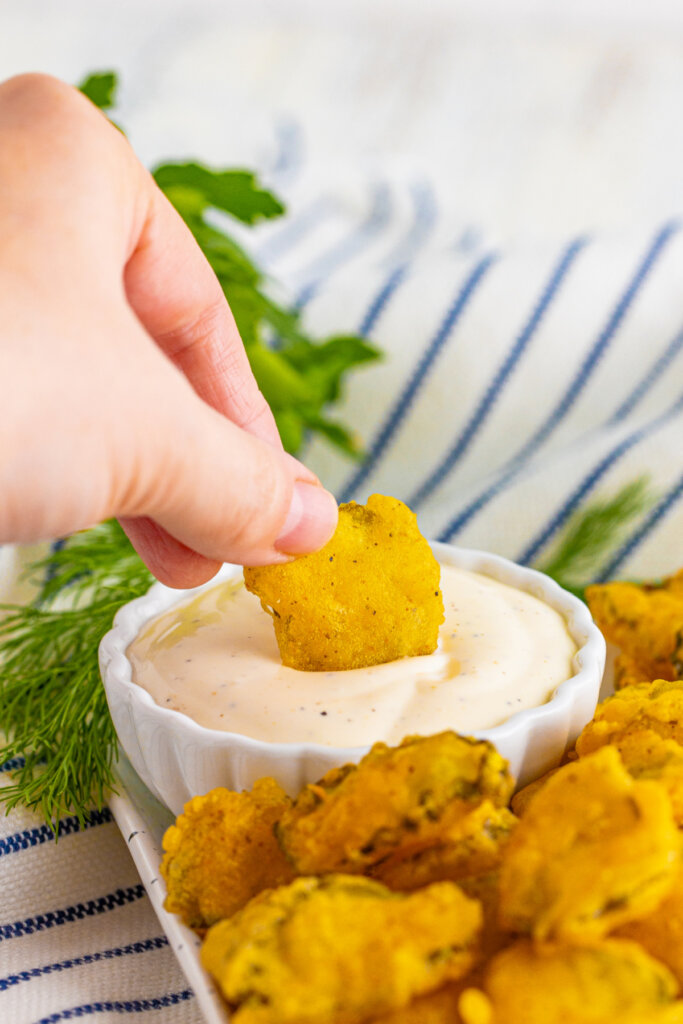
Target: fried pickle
{"x":222,"y":851}
{"x":657,"y":706}
{"x":471,"y":846}
{"x":440,"y":1007}
{"x":339,"y":949}
{"x":494,"y":935}
{"x":628,"y":672}
{"x":595,"y":849}
{"x":523,"y":797}
{"x":660,"y":933}
{"x":396,"y":798}
{"x":647,"y":755}
{"x":646,"y":622}
{"x":596,"y":983}
{"x":371,"y":595}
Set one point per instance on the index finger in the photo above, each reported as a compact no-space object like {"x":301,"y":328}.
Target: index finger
{"x":177,"y":297}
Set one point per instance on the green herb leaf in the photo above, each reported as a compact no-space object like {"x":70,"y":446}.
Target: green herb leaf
{"x":100,"y":88}
{"x":235,"y":192}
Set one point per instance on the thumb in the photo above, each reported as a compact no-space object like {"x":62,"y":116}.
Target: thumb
{"x":219,"y":494}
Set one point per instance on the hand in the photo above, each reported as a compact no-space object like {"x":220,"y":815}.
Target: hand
{"x":124,"y":386}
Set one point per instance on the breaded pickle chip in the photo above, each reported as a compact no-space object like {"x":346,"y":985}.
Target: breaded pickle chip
{"x":396,"y":797}
{"x":524,"y":796}
{"x":471,"y":846}
{"x":660,"y":933}
{"x":646,"y":755}
{"x":644,"y":723}
{"x":657,"y":706}
{"x":608,"y":982}
{"x":339,"y":949}
{"x":494,"y":936}
{"x":371,"y":595}
{"x":645,"y":622}
{"x":222,"y":851}
{"x":595,"y":849}
{"x":628,"y":671}
{"x":440,"y":1007}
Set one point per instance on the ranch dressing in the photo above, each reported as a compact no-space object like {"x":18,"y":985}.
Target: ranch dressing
{"x":215,"y":659}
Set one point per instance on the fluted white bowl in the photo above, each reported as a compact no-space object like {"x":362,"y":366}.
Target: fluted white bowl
{"x":177,"y":758}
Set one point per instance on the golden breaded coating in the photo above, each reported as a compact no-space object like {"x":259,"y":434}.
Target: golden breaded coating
{"x":645,"y":622}
{"x":608,"y":982}
{"x":657,"y":706}
{"x":471,"y":846}
{"x":523,"y":797}
{"x":595,"y":849}
{"x":339,"y":949}
{"x":628,"y":671}
{"x":647,"y":755}
{"x":660,"y":933}
{"x":494,"y":936}
{"x":222,"y":851}
{"x":440,"y":1007}
{"x":395,"y":798}
{"x":371,"y":595}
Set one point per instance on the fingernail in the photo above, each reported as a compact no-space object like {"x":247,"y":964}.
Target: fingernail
{"x":310,"y":522}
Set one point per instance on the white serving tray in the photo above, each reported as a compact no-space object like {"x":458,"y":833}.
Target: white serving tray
{"x":142,"y":821}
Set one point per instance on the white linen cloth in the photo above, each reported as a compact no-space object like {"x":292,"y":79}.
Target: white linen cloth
{"x":533,"y":351}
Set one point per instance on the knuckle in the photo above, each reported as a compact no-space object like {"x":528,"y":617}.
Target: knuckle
{"x":38,"y":90}
{"x":194,"y":331}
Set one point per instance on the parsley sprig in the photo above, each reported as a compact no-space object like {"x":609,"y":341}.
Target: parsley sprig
{"x":300,"y":376}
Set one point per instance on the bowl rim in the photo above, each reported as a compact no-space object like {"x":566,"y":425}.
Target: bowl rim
{"x":116,"y":668}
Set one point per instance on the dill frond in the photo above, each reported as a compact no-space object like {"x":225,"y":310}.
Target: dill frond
{"x":53,"y":711}
{"x":593,"y":533}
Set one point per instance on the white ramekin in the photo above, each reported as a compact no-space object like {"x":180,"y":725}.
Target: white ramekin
{"x":177,"y":758}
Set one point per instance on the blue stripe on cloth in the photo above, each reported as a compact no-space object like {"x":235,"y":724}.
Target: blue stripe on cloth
{"x":592,"y":479}
{"x":361,"y":235}
{"x":56,"y":546}
{"x":502,"y":374}
{"x":12,"y":764}
{"x":115,"y":953}
{"x":661,"y":509}
{"x":660,"y":364}
{"x":289,"y":157}
{"x":66,"y":915}
{"x":424,"y":220}
{"x":44,"y":834}
{"x":383,"y":297}
{"x":468,"y":240}
{"x":614,"y":321}
{"x":411,"y":388}
{"x":402,"y":258}
{"x":122,"y":1006}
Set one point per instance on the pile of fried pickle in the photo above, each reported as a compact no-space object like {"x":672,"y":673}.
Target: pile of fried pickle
{"x":414,"y":888}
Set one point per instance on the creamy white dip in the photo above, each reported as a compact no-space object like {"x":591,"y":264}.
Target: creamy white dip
{"x":215,"y":659}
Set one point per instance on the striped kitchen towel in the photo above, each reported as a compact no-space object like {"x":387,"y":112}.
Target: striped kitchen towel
{"x":517,"y":383}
